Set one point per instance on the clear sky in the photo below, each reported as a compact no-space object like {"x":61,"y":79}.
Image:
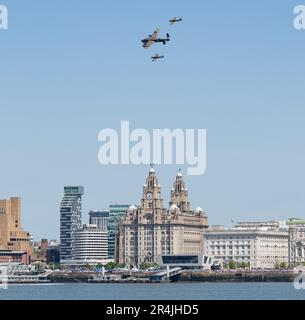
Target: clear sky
{"x":71,"y":68}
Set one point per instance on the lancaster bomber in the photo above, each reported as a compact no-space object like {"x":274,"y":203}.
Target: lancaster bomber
{"x":153,"y":38}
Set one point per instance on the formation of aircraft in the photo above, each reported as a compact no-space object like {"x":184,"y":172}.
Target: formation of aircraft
{"x":175,"y":20}
{"x":154,"y":38}
{"x":156,"y":57}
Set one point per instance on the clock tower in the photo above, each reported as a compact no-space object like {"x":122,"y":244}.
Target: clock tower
{"x":150,"y":231}
{"x":179,"y":194}
{"x":152,"y":198}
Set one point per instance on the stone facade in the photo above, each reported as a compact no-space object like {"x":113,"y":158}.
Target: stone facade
{"x":262,"y":247}
{"x":151,"y":230}
{"x":296,"y":241}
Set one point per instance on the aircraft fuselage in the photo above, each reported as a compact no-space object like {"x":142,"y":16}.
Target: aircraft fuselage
{"x":144,"y":41}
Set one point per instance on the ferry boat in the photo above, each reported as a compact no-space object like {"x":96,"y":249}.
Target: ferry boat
{"x":29,"y":279}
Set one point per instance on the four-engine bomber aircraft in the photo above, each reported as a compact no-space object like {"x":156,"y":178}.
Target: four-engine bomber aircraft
{"x":156,"y":57}
{"x":175,"y":20}
{"x":153,"y":38}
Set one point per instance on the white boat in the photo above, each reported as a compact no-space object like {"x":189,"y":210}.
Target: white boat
{"x":13,"y":278}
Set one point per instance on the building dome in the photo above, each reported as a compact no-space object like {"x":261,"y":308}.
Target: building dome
{"x":179,"y":173}
{"x":198,"y":210}
{"x":132,"y":208}
{"x":173,"y":208}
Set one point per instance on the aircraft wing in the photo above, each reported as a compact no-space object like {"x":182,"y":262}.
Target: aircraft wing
{"x":155,"y":34}
{"x":148,"y":44}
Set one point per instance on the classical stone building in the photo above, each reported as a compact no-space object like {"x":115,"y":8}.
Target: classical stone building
{"x":12,"y":237}
{"x":260,"y":244}
{"x":151,"y":230}
{"x":296,"y":241}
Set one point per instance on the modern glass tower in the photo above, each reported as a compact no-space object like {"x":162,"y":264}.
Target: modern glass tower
{"x":117,"y":211}
{"x":70,"y":219}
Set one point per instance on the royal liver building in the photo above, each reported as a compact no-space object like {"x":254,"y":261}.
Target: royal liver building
{"x":150,"y":230}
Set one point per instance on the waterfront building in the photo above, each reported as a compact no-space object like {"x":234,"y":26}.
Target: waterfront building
{"x":91,"y":244}
{"x":296,"y":241}
{"x":8,"y":257}
{"x":185,"y":261}
{"x":100,"y":218}
{"x":41,"y":251}
{"x":116,"y":213}
{"x":150,"y":230}
{"x":12,"y":237}
{"x":53,"y":254}
{"x":70,"y":219}
{"x":260,"y":244}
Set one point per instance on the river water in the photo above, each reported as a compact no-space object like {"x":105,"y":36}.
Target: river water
{"x":172,"y":291}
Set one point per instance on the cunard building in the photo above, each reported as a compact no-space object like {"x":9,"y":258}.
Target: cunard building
{"x":151,"y":231}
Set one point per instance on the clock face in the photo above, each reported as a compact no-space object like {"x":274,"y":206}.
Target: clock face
{"x":149,"y":196}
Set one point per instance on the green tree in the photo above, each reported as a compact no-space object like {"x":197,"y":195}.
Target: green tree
{"x":277,"y":266}
{"x":99,"y":266}
{"x":147,"y":265}
{"x":243,"y":265}
{"x":283,"y":265}
{"x":232,"y":265}
{"x":111,"y":266}
{"x":39,"y":268}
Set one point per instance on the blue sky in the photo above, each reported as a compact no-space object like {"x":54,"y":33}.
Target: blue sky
{"x":71,"y":68}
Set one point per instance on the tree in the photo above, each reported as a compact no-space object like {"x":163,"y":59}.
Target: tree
{"x":243,"y":265}
{"x":111,"y":266}
{"x":283,"y":265}
{"x":277,"y":266}
{"x":99,"y":266}
{"x":147,"y":265}
{"x":232,"y":265}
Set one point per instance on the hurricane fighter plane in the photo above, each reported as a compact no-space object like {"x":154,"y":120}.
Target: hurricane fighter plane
{"x":175,"y":20}
{"x":156,"y":57}
{"x":153,"y":38}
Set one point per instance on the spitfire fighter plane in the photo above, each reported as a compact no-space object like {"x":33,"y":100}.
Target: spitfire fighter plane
{"x":153,"y":38}
{"x":156,"y":57}
{"x":175,"y":20}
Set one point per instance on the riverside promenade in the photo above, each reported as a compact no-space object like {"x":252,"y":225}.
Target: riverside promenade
{"x":236,"y":276}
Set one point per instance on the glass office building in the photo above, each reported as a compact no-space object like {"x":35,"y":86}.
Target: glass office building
{"x":116,"y":212}
{"x":70,"y":219}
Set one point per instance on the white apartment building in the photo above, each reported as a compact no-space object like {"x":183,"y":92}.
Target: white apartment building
{"x":260,"y":244}
{"x":91,"y":244}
